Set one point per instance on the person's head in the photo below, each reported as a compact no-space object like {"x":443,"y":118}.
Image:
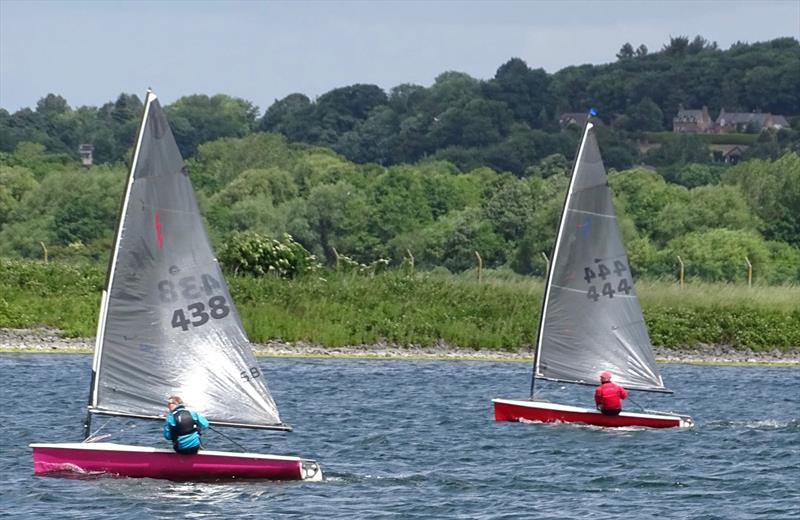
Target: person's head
{"x":173,"y":402}
{"x":605,"y":376}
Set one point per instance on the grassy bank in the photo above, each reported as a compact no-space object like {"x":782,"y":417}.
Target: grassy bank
{"x":336,"y":309}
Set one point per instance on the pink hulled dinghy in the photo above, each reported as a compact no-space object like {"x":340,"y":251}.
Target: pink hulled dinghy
{"x":590,"y":320}
{"x":168,"y":326}
{"x":139,"y":461}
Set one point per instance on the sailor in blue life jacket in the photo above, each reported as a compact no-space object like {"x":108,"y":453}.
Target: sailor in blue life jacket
{"x":183,"y":427}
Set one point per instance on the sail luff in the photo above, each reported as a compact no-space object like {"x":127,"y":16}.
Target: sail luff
{"x":101,"y":322}
{"x":556,"y":249}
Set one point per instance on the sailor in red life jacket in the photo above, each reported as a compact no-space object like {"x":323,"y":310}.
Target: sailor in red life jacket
{"x":608,"y":395}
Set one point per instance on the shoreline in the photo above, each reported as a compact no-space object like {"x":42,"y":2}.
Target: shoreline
{"x":50,"y":340}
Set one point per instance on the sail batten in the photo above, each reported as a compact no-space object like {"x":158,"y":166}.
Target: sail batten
{"x":168,"y":325}
{"x":591,"y":319}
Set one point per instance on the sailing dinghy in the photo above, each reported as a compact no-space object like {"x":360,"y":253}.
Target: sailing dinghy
{"x":168,"y":327}
{"x":591,"y":320}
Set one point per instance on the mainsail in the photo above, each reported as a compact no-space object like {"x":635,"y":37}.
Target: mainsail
{"x":167,"y":322}
{"x":591,"y":318}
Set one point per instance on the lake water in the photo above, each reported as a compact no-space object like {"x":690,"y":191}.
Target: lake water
{"x":417,"y":439}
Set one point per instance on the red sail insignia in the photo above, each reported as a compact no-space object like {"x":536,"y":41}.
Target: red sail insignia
{"x":159,"y":236}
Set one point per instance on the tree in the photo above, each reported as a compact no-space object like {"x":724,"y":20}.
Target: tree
{"x":718,"y":255}
{"x":337,"y":215}
{"x":508,"y":206}
{"x":198,"y":119}
{"x":644,"y":116}
{"x":625,"y":52}
{"x":292,"y":116}
{"x":772,"y":189}
{"x":683,"y":150}
{"x":340,"y":110}
{"x":399,"y":203}
{"x":15,"y":183}
{"x":642,"y":195}
{"x":704,"y":208}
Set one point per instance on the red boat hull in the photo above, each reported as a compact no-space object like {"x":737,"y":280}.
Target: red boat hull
{"x":138,"y":462}
{"x":513,"y":410}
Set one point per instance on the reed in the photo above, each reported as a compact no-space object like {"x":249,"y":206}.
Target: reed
{"x":423,"y":309}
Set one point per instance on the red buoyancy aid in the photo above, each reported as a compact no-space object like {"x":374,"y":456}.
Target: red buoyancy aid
{"x":609,"y":396}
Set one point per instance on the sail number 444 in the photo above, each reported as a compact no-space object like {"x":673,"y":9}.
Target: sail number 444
{"x":609,"y":288}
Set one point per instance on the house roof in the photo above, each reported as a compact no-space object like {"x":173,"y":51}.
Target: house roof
{"x":689,"y":114}
{"x":741,"y":118}
{"x":780,"y":120}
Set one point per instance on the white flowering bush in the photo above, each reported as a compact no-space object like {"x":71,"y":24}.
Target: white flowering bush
{"x":259,"y":255}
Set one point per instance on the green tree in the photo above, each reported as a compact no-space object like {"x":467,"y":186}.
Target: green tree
{"x":772,"y":189}
{"x":718,"y":255}
{"x":292,"y":116}
{"x":198,"y":119}
{"x":15,"y":183}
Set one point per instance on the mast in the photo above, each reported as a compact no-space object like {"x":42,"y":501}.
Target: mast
{"x":556,"y":246}
{"x":112,"y":261}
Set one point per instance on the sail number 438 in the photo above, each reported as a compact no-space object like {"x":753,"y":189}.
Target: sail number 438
{"x":199,"y":311}
{"x":217,"y":309}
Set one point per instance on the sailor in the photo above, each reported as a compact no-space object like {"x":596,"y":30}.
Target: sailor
{"x":183,"y":427}
{"x":608,"y":396}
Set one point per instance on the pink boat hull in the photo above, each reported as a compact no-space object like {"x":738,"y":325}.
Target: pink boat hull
{"x":139,"y":462}
{"x":513,"y":410}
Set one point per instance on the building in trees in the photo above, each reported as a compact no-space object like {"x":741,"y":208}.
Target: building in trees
{"x":692,"y":121}
{"x":86,"y":151}
{"x":730,"y":122}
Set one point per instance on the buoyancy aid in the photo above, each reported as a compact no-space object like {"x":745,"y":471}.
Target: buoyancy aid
{"x":184,"y":425}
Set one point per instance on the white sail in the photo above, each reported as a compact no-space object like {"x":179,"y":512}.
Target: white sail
{"x":591,"y":319}
{"x":167,"y":322}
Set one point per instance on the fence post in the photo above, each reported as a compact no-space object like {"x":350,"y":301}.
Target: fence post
{"x":749,"y":273}
{"x":411,"y":257}
{"x":681,"y":262}
{"x":45,"y":251}
{"x":336,"y":255}
{"x":480,"y":266}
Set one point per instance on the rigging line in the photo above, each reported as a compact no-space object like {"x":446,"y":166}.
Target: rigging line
{"x":93,"y":435}
{"x":635,"y":403}
{"x":233,"y":441}
{"x":584,"y":212}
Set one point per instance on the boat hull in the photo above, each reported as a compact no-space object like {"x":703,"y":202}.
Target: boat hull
{"x":140,"y":462}
{"x":539,"y":411}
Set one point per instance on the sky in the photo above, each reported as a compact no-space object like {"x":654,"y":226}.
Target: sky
{"x":89,"y":52}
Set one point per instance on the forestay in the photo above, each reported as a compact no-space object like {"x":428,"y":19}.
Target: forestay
{"x":591,"y":319}
{"x":167,"y":323}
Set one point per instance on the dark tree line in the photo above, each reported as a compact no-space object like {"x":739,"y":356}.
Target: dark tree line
{"x":509,"y":122}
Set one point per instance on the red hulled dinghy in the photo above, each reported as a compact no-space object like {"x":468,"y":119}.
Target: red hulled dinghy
{"x":591,"y":320}
{"x":540,"y":411}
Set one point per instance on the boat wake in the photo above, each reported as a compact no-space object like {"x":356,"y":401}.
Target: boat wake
{"x":585,"y":426}
{"x":764,"y":424}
